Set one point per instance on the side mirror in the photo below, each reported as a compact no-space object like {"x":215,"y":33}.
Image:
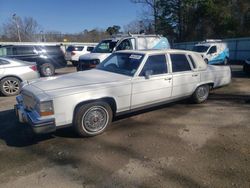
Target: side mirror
{"x":148,"y":73}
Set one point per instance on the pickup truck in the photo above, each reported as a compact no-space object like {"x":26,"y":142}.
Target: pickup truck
{"x":126,"y":81}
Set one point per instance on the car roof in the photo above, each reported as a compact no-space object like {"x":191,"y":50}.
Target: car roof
{"x":155,"y":51}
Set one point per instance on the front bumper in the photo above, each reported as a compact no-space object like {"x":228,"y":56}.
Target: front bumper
{"x":38,"y":125}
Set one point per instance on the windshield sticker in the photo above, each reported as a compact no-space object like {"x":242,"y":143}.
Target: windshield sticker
{"x":133,"y":56}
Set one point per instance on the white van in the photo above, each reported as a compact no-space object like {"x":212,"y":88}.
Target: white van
{"x":125,"y":42}
{"x":213,"y":51}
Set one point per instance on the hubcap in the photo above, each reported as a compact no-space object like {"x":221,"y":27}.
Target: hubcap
{"x":48,"y":71}
{"x":11,"y":86}
{"x":202,"y":92}
{"x":95,"y":119}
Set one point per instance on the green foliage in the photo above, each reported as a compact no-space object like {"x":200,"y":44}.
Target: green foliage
{"x":186,"y":20}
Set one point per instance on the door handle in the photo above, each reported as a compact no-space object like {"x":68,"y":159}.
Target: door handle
{"x":168,"y":79}
{"x":194,"y":75}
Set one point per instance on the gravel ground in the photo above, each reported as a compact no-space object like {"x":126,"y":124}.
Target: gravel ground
{"x":175,"y":145}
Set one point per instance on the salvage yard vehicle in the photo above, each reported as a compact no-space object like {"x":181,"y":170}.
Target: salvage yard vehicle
{"x":124,"y":82}
{"x":47,"y":57}
{"x":121,"y":42}
{"x":13,"y":72}
{"x":74,"y":52}
{"x":213,"y":51}
{"x":246,"y":66}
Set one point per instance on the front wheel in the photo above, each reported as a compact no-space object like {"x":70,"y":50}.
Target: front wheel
{"x":201,"y":94}
{"x":92,"y":119}
{"x":225,"y":62}
{"x":10,"y":86}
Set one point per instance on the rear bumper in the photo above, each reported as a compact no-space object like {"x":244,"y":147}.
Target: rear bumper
{"x":38,"y":125}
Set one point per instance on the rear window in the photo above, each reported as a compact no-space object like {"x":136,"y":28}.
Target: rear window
{"x":3,"y":62}
{"x":90,"y":48}
{"x":74,"y":48}
{"x":50,"y":49}
{"x":180,"y":63}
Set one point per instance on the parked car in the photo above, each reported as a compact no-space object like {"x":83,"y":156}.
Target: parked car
{"x":246,"y":66}
{"x":121,"y":42}
{"x":74,"y":52}
{"x":13,"y":72}
{"x":213,"y":51}
{"x":47,"y":57}
{"x":126,"y":81}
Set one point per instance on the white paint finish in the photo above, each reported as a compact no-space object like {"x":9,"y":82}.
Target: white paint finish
{"x":91,"y":56}
{"x":148,"y":91}
{"x":185,"y":83}
{"x":69,"y":90}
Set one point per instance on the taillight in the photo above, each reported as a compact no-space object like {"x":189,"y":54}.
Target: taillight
{"x":33,"y":67}
{"x":73,"y":53}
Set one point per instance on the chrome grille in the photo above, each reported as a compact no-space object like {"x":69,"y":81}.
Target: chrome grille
{"x":28,"y":101}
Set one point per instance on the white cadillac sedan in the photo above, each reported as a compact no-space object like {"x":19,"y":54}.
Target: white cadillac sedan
{"x":126,"y":81}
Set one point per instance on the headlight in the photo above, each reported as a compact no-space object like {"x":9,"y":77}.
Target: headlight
{"x":45,"y":108}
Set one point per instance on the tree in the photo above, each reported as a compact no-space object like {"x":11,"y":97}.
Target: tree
{"x":17,"y":28}
{"x":186,"y":20}
{"x":113,"y":30}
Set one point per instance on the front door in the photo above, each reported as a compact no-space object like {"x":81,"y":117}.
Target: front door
{"x":153,"y":84}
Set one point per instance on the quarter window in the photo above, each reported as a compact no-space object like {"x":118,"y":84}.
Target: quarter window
{"x":192,"y":61}
{"x":155,"y":63}
{"x":179,"y":63}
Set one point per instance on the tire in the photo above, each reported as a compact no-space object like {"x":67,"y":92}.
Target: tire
{"x":74,"y":63}
{"x":201,"y":94}
{"x":47,"y":69}
{"x":92,"y":119}
{"x":225,"y":62}
{"x":246,"y":68}
{"x":206,"y":61}
{"x":10,"y":86}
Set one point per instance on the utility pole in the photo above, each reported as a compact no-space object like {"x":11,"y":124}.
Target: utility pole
{"x":17,"y":26}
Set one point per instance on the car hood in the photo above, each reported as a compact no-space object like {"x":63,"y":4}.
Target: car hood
{"x":76,"y":82}
{"x":90,"y":56}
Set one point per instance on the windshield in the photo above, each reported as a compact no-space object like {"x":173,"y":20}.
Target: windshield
{"x":200,"y":48}
{"x":122,"y":63}
{"x":105,"y":46}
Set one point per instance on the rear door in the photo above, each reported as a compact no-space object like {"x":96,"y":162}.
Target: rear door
{"x":155,"y":88}
{"x":185,"y":77}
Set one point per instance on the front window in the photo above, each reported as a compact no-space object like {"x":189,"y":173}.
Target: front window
{"x":122,"y":63}
{"x":105,"y":46}
{"x":200,"y":49}
{"x":156,"y":64}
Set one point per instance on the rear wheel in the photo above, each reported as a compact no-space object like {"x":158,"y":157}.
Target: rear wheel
{"x":10,"y":86}
{"x":74,"y":63}
{"x":47,"y":69}
{"x":201,"y":94}
{"x":92,"y":119}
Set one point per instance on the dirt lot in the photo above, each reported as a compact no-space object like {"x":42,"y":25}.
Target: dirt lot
{"x":176,"y":145}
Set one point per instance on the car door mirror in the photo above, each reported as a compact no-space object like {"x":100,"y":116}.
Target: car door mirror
{"x":148,"y":73}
